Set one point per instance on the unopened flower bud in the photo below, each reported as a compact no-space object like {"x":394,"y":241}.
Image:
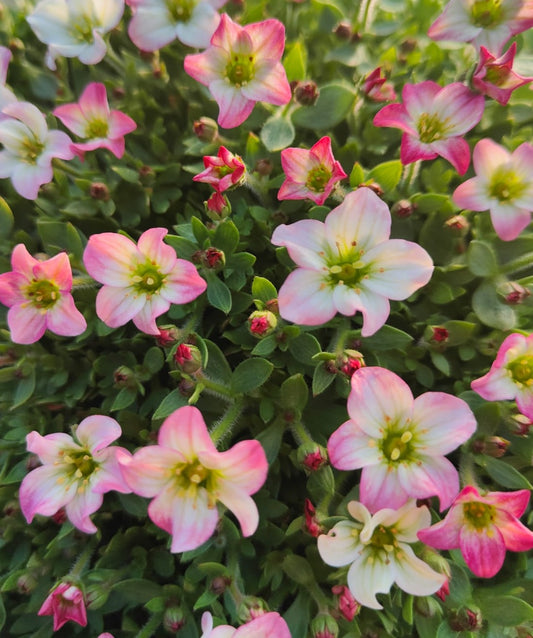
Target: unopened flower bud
{"x":403,"y":208}
{"x":347,"y":606}
{"x":444,"y":591}
{"x":312,"y":457}
{"x":312,"y":526}
{"x":186,"y":387}
{"x":439,"y":334}
{"x":251,"y":607}
{"x":217,"y":207}
{"x":99,"y":191}
{"x":427,"y":606}
{"x":173,"y":619}
{"x":146,"y":175}
{"x":520,"y":424}
{"x":26,"y":583}
{"x":262,"y":323}
{"x":343,"y":31}
{"x":374,"y":186}
{"x":124,"y":377}
{"x":324,"y":626}
{"x":264,"y":167}
{"x":458,"y":223}
{"x":188,"y":358}
{"x":16,"y":45}
{"x":306,"y":93}
{"x":494,"y":446}
{"x":206,"y":129}
{"x":273,"y":306}
{"x":219,"y":584}
{"x":465,"y":619}
{"x":60,"y":516}
{"x":513,"y":293}
{"x":211,"y":258}
{"x":118,"y":92}
{"x":350,"y":362}
{"x":96,"y":595}
{"x":168,"y":335}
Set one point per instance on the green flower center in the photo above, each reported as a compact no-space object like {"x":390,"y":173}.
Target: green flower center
{"x":497,"y":74}
{"x":83,"y":30}
{"x":193,"y":475}
{"x":97,"y":128}
{"x":147,"y":279}
{"x":180,"y":10}
{"x":42,"y":293}
{"x":521,"y":370}
{"x":505,"y":185}
{"x":398,"y":446}
{"x":430,"y":128}
{"x":317,"y":178}
{"x":479,"y":515}
{"x":383,"y":538}
{"x":31,"y":149}
{"x":487,"y":13}
{"x":81,"y":463}
{"x":240,"y":69}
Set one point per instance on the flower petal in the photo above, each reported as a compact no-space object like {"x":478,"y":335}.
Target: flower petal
{"x":149,"y":470}
{"x":97,"y":431}
{"x":483,"y":550}
{"x":110,"y":257}
{"x":185,"y":430}
{"x":79,"y":509}
{"x":243,"y":507}
{"x":304,"y":299}
{"x":340,"y":545}
{"x":44,"y":491}
{"x":349,"y":448}
{"x":414,"y":576}
{"x":368,"y":577}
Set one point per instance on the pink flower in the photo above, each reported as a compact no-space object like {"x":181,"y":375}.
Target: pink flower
{"x":483,"y":527}
{"x":241,"y":67}
{"x":222,"y":171}
{"x":483,"y":22}
{"x":511,"y":374}
{"x":349,"y":264}
{"x":140,"y":281}
{"x":186,"y":476}
{"x":65,"y":603}
{"x":503,"y":185}
{"x":156,"y":23}
{"x":267,"y":625}
{"x":75,"y":472}
{"x":495,"y":76}
{"x":29,"y":148}
{"x":310,"y":174}
{"x":37,"y":294}
{"x":400,"y":442}
{"x":6,"y":95}
{"x":433,"y":120}
{"x":377,"y":88}
{"x":346,"y":603}
{"x":91,"y":118}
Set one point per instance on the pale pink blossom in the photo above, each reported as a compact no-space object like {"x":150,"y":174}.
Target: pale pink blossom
{"x":488,"y":23}
{"x":511,"y":374}
{"x":29,"y":148}
{"x":91,"y":118}
{"x":400,"y":442}
{"x":495,"y":76}
{"x":269,"y":625}
{"x":503,"y":185}
{"x":483,"y":527}
{"x":156,"y":23}
{"x":75,"y":472}
{"x":241,"y":67}
{"x":140,"y":280}
{"x":186,"y":476}
{"x":310,"y":174}
{"x":6,"y":95}
{"x":65,"y":602}
{"x":378,"y":549}
{"x":348,"y":264}
{"x":377,"y":88}
{"x":223,"y":171}
{"x":433,"y":120}
{"x":38,"y":296}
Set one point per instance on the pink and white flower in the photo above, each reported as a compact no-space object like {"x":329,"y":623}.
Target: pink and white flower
{"x":156,"y":23}
{"x":310,"y":174}
{"x":400,"y":442}
{"x":349,"y":264}
{"x":186,"y":476}
{"x":140,"y":281}
{"x":75,"y":472}
{"x":503,"y":185}
{"x":433,"y":120}
{"x":483,"y":527}
{"x":29,"y":148}
{"x":377,"y":88}
{"x":65,"y":602}
{"x":488,"y":23}
{"x":38,"y":296}
{"x":265,"y":626}
{"x":495,"y":76}
{"x":241,"y":67}
{"x":74,"y":28}
{"x":92,"y":118}
{"x":378,"y":549}
{"x":223,"y":171}
{"x":6,"y":95}
{"x":511,"y":374}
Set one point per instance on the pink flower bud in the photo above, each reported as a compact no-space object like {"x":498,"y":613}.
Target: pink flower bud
{"x":188,"y":358}
{"x":312,"y":526}
{"x":346,"y":603}
{"x":262,"y":323}
{"x":205,"y":129}
{"x":65,"y":603}
{"x":324,"y":626}
{"x":217,"y":207}
{"x":306,"y":93}
{"x":440,"y":334}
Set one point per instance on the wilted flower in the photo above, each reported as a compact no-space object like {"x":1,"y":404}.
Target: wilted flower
{"x":65,"y":603}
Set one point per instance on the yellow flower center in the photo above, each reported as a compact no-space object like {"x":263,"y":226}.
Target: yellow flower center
{"x":193,"y":475}
{"x":398,"y":446}
{"x":479,"y":515}
{"x":31,"y":149}
{"x":42,"y":293}
{"x":180,"y":10}
{"x":147,"y":279}
{"x":430,"y":128}
{"x":521,"y":370}
{"x":82,"y":30}
{"x":97,"y":128}
{"x":317,"y":178}
{"x":505,"y":185}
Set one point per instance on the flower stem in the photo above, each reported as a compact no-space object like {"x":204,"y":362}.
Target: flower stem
{"x":214,"y":387}
{"x":81,"y":562}
{"x":70,"y":170}
{"x":524,"y":261}
{"x":149,"y":629}
{"x":466,"y":471}
{"x":300,"y":434}
{"x":226,"y":423}
{"x":366,"y":14}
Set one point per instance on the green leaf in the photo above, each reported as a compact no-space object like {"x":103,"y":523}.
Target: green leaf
{"x":24,"y":390}
{"x":295,"y":62}
{"x":169,"y":404}
{"x":6,"y":218}
{"x":298,"y":615}
{"x":357,"y":175}
{"x":154,"y":359}
{"x":226,"y":237}
{"x":138,"y":590}
{"x":489,"y":308}
{"x":387,"y":338}
{"x":304,"y":347}
{"x":265,"y":347}
{"x":334,"y":103}
{"x":322,"y":379}
{"x":263,"y":289}
{"x":277,"y":133}
{"x":440,"y":362}
{"x":250,"y":374}
{"x":459,"y":331}
{"x":217,"y":366}
{"x":2,"y":613}
{"x":298,"y":569}
{"x":127,"y":174}
{"x":207,"y":598}
{"x":294,"y":392}
{"x":218,"y":294}
{"x":123,"y":399}
{"x":505,"y":474}
{"x":387,"y":175}
{"x":60,"y":236}
{"x":481,"y":259}
{"x":270,"y":439}
{"x":199,"y":230}
{"x":506,"y":611}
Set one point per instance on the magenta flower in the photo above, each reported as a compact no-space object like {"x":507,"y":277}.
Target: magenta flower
{"x":140,"y":281}
{"x":65,"y":603}
{"x":310,"y":174}
{"x":267,"y":625}
{"x":483,"y":527}
{"x":511,"y":374}
{"x":76,"y":472}
{"x":433,"y":120}
{"x":488,"y":23}
{"x":186,"y":476}
{"x":222,"y":171}
{"x":377,"y":88}
{"x":349,"y":264}
{"x":38,"y":296}
{"x":495,"y":76}
{"x":241,"y":67}
{"x":400,"y":442}
{"x":91,"y":118}
{"x":503,"y":185}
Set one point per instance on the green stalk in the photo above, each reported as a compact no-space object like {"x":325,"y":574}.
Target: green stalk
{"x":524,"y":261}
{"x":226,"y":423}
{"x":149,"y":629}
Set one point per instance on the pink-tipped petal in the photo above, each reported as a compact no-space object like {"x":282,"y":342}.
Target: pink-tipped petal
{"x":79,"y":509}
{"x":349,"y":448}
{"x":303,"y":299}
{"x":185,"y":430}
{"x":483,"y":550}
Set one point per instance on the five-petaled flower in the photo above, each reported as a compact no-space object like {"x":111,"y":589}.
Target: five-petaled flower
{"x":265,"y":626}
{"x":91,"y":118}
{"x":223,"y":171}
{"x":140,"y":281}
{"x":400,"y":442}
{"x":511,"y":374}
{"x":38,"y":296}
{"x":310,"y":174}
{"x":377,"y":548}
{"x":65,"y":602}
{"x":377,"y":88}
{"x":349,"y":264}
{"x":76,"y":472}
{"x":483,"y":526}
{"x":433,"y":120}
{"x":186,"y":476}
{"x":503,"y":185}
{"x":241,"y":67}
